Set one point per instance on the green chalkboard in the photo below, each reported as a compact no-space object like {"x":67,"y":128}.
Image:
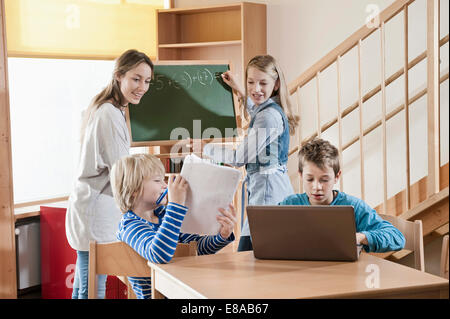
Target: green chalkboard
{"x":184,"y":100}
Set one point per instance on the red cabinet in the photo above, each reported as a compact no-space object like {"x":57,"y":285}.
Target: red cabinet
{"x":58,"y":259}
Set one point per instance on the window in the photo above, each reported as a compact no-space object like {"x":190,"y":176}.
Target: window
{"x":47,"y":97}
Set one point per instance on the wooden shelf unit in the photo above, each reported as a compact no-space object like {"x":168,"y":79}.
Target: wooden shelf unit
{"x":234,"y":32}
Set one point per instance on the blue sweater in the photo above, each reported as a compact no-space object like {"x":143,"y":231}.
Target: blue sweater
{"x":381,"y":235}
{"x":157,"y":242}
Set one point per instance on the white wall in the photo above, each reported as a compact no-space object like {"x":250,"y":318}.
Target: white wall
{"x":300,"y":32}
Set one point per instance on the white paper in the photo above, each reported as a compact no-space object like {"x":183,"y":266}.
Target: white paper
{"x":211,"y":187}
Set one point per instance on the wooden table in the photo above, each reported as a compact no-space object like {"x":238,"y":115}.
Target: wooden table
{"x":241,"y":275}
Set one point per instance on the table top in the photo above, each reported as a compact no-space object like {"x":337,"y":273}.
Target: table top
{"x":241,"y":275}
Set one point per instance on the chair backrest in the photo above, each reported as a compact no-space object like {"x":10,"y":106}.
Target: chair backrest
{"x":444,"y":257}
{"x":119,"y":259}
{"x":414,"y":237}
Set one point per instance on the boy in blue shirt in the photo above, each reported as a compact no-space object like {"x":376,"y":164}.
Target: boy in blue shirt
{"x":319,"y":171}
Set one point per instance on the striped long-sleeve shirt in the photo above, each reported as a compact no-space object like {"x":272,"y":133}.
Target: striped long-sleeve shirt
{"x":157,"y":242}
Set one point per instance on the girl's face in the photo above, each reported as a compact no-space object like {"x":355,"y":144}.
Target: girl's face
{"x":260,"y":85}
{"x":135,"y":83}
{"x":152,"y":188}
{"x":318,"y":183}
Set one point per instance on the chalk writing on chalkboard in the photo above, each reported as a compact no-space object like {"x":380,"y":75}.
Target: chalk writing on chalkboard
{"x":185,"y":79}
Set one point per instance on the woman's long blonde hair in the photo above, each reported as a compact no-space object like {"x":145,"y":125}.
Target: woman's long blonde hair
{"x":127,"y":61}
{"x":268,"y":65}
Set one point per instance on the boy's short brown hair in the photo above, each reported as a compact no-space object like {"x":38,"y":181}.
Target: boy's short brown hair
{"x":321,"y":153}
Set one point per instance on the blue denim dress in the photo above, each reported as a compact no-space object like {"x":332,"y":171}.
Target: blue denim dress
{"x":267,"y":179}
{"x":264,"y":152}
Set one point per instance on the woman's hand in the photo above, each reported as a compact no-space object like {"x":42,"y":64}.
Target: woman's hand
{"x":227,"y":221}
{"x":178,"y":188}
{"x":229,"y":79}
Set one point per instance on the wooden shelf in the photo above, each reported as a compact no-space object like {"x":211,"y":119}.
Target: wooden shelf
{"x":234,"y":32}
{"x":200,"y":44}
{"x":214,"y":8}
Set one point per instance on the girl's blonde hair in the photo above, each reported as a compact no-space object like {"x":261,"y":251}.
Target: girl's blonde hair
{"x":127,"y":61}
{"x":128,"y":175}
{"x":268,"y":65}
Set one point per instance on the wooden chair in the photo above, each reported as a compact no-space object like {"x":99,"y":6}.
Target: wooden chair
{"x":414,"y":237}
{"x":119,"y":259}
{"x":444,"y":257}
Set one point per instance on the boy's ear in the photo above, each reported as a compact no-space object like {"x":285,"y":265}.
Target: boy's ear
{"x":338,"y":175}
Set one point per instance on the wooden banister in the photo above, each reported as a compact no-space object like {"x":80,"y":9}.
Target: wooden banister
{"x":383,"y":113}
{"x":346,"y":46}
{"x":435,"y":76}
{"x":406,"y":94}
{"x":349,"y":109}
{"x":433,"y":99}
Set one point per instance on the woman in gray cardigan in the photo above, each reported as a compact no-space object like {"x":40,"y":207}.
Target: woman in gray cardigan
{"x":92,"y":213}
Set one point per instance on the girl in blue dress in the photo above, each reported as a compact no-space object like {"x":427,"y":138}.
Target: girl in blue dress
{"x":264,"y":150}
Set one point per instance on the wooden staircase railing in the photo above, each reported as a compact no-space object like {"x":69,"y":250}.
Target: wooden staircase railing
{"x":435,"y":77}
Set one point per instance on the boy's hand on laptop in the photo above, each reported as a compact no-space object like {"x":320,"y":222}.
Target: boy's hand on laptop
{"x":178,"y":188}
{"x":227,"y":221}
{"x":361,"y":239}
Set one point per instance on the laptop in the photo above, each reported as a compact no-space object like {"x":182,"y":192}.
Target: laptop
{"x":294,"y":232}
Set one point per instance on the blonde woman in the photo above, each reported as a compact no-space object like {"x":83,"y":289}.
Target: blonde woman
{"x":264,"y":151}
{"x":92,"y":213}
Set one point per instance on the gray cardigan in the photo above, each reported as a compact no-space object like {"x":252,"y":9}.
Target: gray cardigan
{"x":92,"y":213}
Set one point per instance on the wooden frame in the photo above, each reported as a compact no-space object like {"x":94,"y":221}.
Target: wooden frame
{"x":361,"y":128}
{"x":319,"y":131}
{"x":169,"y":143}
{"x":406,"y":93}
{"x":433,"y":97}
{"x":383,"y":112}
{"x":339,"y":121}
{"x":8,"y":283}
